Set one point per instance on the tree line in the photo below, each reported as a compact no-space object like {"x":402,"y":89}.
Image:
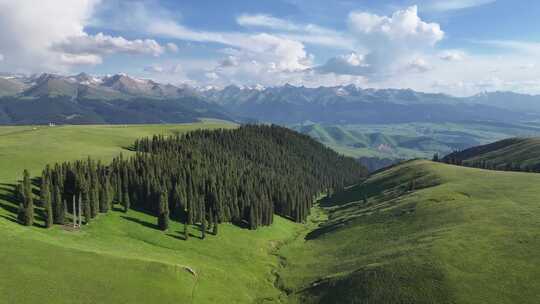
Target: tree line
{"x":243,"y":176}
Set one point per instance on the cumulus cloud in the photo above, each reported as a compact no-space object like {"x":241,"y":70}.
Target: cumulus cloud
{"x":392,"y":43}
{"x":273,"y":51}
{"x":101,"y":44}
{"x":51,"y":36}
{"x":349,"y":64}
{"x":404,"y":29}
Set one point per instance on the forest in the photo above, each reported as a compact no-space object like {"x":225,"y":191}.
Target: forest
{"x":204,"y":177}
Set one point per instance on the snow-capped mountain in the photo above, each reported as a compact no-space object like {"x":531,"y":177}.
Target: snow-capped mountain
{"x":285,"y":104}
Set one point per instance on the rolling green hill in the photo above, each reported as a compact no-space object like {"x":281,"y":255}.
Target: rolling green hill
{"x":518,"y":154}
{"x":454,"y":235}
{"x":463,"y":235}
{"x":412,"y":140}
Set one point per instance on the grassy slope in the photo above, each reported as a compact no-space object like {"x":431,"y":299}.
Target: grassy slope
{"x":122,"y":258}
{"x":524,"y":152}
{"x":472,"y":237}
{"x":411,"y":140}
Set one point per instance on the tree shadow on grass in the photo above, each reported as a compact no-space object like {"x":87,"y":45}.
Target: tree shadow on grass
{"x":8,"y":198}
{"x":179,"y":236}
{"x":140,"y":222}
{"x":10,"y":218}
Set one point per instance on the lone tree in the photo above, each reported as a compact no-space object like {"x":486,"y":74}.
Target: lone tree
{"x":163,"y":211}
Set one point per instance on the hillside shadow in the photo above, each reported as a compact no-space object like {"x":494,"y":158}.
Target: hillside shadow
{"x":140,"y":222}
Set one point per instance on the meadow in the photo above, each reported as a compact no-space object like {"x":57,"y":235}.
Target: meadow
{"x":122,"y":258}
{"x":419,"y":232}
{"x":456,"y":235}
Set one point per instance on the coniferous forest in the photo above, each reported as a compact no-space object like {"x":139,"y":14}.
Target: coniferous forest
{"x":243,"y":176}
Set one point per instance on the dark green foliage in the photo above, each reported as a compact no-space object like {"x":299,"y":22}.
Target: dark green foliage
{"x":59,"y":213}
{"x":163,"y":211}
{"x":104,"y":200}
{"x":26,"y":201}
{"x":244,"y":176}
{"x":46,"y":199}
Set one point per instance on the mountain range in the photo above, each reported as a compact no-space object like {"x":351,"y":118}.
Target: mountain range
{"x":119,"y":98}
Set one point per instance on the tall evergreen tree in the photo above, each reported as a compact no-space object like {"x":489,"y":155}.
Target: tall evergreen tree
{"x":163,"y":211}
{"x":28,"y":200}
{"x":46,"y":200}
{"x":59,"y":214}
{"x":186,"y":231}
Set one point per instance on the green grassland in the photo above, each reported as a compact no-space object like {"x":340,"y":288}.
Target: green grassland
{"x":460,"y":235}
{"x":463,"y":235}
{"x":412,"y":140}
{"x":122,"y":258}
{"x":515,"y":153}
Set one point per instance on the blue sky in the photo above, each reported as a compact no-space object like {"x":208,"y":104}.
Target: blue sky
{"x":460,"y":47}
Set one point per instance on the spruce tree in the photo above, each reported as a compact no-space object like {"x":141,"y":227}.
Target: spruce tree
{"x":46,"y":200}
{"x":21,"y":212}
{"x":163,"y":211}
{"x":103,"y":199}
{"x":58,"y":206}
{"x":86,"y":206}
{"x":186,"y":231}
{"x":215,"y":227}
{"x":28,"y":200}
{"x":203,"y":228}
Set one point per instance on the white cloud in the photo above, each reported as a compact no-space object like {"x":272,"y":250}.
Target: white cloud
{"x":101,"y":44}
{"x":229,"y":61}
{"x":80,"y":59}
{"x":418,"y":65}
{"x":403,"y":29}
{"x":273,"y":51}
{"x":388,"y":44}
{"x":450,"y":5}
{"x":267,"y":21}
{"x":1,"y":57}
{"x":29,"y":29}
{"x":307,"y":33}
{"x":349,"y":64}
{"x":171,"y":47}
{"x":50,"y":36}
{"x":452,"y":55}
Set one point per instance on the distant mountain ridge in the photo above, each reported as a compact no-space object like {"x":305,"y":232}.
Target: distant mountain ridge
{"x":86,"y":99}
{"x":95,"y":98}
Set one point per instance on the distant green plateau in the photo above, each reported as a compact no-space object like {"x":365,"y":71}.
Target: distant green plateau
{"x":413,"y":140}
